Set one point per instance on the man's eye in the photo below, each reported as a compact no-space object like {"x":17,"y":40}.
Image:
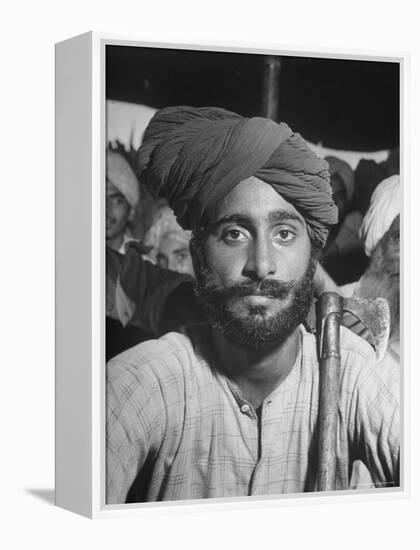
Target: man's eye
{"x":117,"y":201}
{"x":181,"y":256}
{"x":285,"y":235}
{"x":234,"y":235}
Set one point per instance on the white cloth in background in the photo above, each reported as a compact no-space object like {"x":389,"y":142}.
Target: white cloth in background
{"x":351,"y":157}
{"x":385,"y":205}
{"x":126,"y":122}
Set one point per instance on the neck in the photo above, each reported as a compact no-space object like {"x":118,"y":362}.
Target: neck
{"x":256,"y":372}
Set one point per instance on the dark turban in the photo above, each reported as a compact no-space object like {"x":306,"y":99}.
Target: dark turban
{"x":195,"y":156}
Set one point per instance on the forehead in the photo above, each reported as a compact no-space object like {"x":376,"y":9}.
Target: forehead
{"x":254,"y":199}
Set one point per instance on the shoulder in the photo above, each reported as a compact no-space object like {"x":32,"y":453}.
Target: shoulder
{"x":161,"y":363}
{"x":353,"y":347}
{"x":358,"y":358}
{"x":362,"y":372}
{"x":154,"y":358}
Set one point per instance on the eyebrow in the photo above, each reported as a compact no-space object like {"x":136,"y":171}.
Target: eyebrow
{"x":230,"y":218}
{"x":284,"y":215}
{"x":272,"y":216}
{"x":115,"y":194}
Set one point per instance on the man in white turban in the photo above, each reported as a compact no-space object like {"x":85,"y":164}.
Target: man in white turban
{"x":385,"y":205}
{"x":169,"y":243}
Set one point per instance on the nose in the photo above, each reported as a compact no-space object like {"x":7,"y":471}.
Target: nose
{"x":261,"y":260}
{"x":108,"y":209}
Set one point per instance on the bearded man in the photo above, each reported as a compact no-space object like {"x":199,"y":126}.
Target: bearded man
{"x":229,"y":407}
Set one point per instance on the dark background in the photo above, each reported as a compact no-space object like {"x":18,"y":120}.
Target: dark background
{"x":351,"y":105}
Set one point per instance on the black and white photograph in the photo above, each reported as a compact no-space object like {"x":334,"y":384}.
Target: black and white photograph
{"x":253,"y":204}
{"x":210,"y":267}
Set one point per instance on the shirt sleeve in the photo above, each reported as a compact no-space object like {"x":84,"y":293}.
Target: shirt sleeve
{"x":375,"y":430}
{"x":134,"y":425}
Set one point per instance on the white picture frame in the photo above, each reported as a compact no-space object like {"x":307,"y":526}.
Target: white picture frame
{"x":80,"y":279}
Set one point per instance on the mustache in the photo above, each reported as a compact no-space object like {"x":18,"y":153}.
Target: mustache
{"x":268,"y":288}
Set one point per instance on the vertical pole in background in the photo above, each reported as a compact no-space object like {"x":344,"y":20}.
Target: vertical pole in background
{"x":271,"y":86}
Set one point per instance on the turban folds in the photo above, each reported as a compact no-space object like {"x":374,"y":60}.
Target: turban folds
{"x":341,"y":168}
{"x":195,"y":156}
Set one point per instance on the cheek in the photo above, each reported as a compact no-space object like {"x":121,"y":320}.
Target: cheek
{"x":185,"y":267}
{"x":121,"y":213}
{"x":109,"y":211}
{"x":294,"y":260}
{"x":226,"y":263}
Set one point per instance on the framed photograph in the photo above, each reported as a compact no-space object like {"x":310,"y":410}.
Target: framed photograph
{"x":227,"y":275}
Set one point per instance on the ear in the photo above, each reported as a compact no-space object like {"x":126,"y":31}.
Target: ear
{"x":131,"y":214}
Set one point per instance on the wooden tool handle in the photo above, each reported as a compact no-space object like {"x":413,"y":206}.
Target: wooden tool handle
{"x":330,"y":312}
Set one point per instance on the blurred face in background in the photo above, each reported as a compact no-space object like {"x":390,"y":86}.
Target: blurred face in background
{"x":174,"y":253}
{"x":117,"y":212}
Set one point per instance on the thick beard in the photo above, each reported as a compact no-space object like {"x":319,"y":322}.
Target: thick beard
{"x":253,"y":330}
